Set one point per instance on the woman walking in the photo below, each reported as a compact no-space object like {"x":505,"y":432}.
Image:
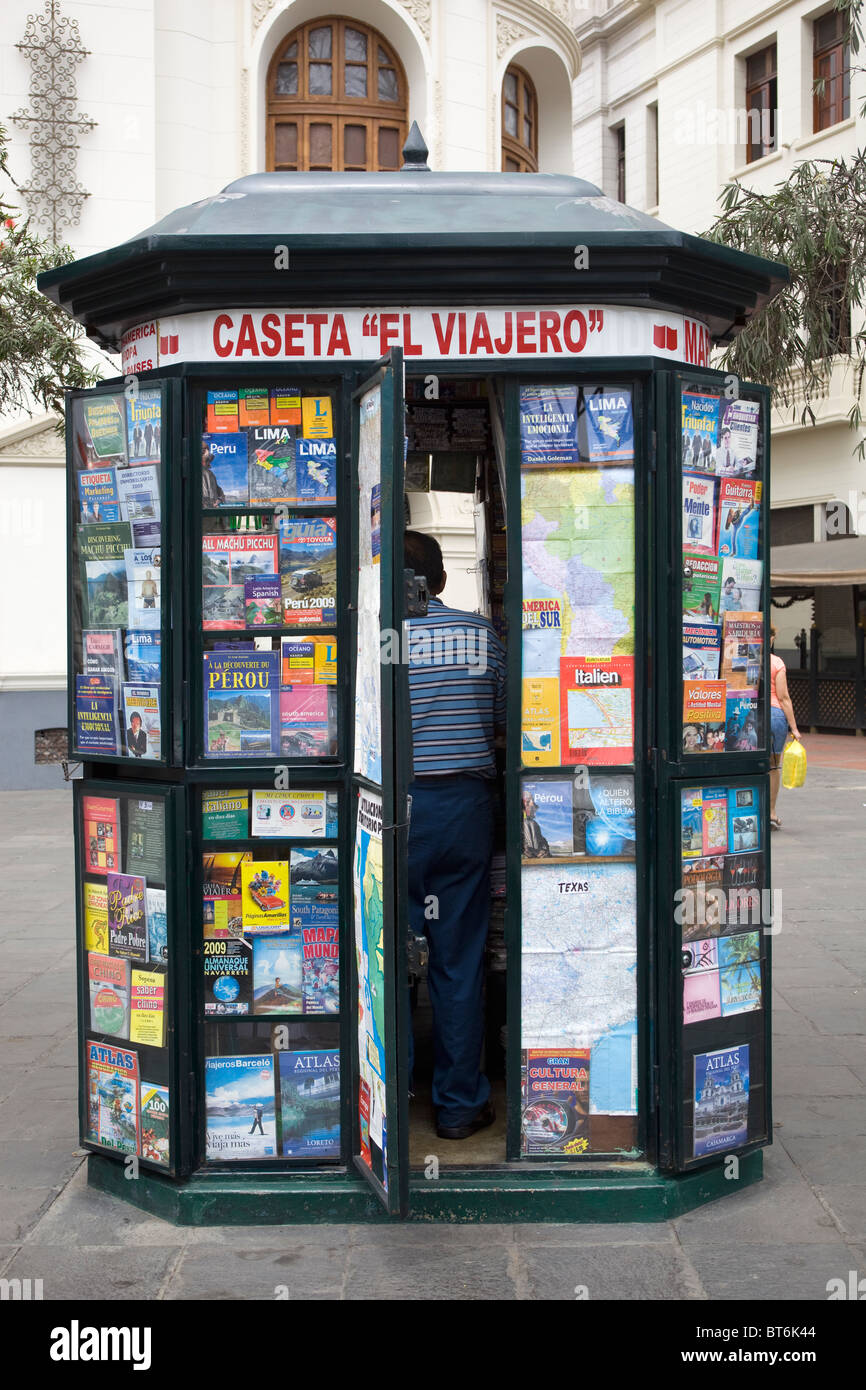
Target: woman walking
{"x":782,"y":718}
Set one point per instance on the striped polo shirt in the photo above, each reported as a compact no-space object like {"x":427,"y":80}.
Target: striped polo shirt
{"x":457,"y":690}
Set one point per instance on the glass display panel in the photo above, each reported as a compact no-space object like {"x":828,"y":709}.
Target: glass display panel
{"x":117,"y":613}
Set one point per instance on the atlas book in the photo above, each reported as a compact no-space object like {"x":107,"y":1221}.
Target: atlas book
{"x":742,"y":720}
{"x":100,"y":834}
{"x":554,"y":1101}
{"x":113,"y":1118}
{"x":141,"y":720}
{"x":228,"y":978}
{"x":108,"y":979}
{"x":702,"y":582}
{"x":241,"y":704}
{"x":240,"y":1104}
{"x":98,"y":495}
{"x":699,"y":514}
{"x":277,"y":974}
{"x":147,"y":1014}
{"x":308,"y":570}
{"x":702,"y":649}
{"x":739,"y":517}
{"x":315,"y":471}
{"x":704,"y":716}
{"x":321,"y":969}
{"x":143,"y":649}
{"x":144,"y":425}
{"x":742,"y":650}
{"x":95,"y":902}
{"x":155,"y":1130}
{"x":102,"y":553}
{"x":265,"y":896}
{"x":97,"y":728}
{"x":700,"y":431}
{"x":127,"y":918}
{"x":271,"y":469}
{"x":309,"y":1084}
{"x":744,"y":819}
{"x":741,"y":585}
{"x":609,"y":425}
{"x":548,"y":818}
{"x":225,"y":815}
{"x":138,"y":489}
{"x":721,"y":1104}
{"x":144,"y":587}
{"x":145,"y":838}
{"x":228,"y":561}
{"x":227,"y":457}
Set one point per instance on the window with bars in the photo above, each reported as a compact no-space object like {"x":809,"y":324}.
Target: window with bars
{"x":831,"y":70}
{"x":337,"y":99}
{"x":761,"y":103}
{"x":519,"y":123}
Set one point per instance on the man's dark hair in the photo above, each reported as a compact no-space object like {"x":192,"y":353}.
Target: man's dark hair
{"x":423,"y":554}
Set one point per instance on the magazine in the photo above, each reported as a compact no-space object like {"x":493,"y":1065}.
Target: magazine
{"x":308,"y":570}
{"x":702,"y":582}
{"x":240,"y":1102}
{"x":609,"y":425}
{"x":228,"y":978}
{"x":241,"y":704}
{"x":144,"y":585}
{"x":228,"y":561}
{"x":138,"y":489}
{"x":700,"y":431}
{"x":721,"y":1091}
{"x":144,"y":425}
{"x":699,"y":514}
{"x":554,"y":1101}
{"x":277,"y":974}
{"x":225,"y":455}
{"x":113,"y":1118}
{"x":155,"y":1124}
{"x":100,"y":834}
{"x":98,"y":495}
{"x":222,"y":909}
{"x":309,"y":1104}
{"x":742,"y":650}
{"x":102,"y":551}
{"x":97,"y":728}
{"x":108,"y":978}
{"x":141,"y":720}
{"x":739,"y":517}
{"x":143,"y":649}
{"x":147,"y":1015}
{"x":127,"y":917}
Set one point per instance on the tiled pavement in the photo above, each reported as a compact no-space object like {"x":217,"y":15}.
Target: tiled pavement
{"x":782,"y":1239}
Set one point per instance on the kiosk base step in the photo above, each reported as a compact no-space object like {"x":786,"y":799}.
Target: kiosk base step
{"x":631,"y":1192}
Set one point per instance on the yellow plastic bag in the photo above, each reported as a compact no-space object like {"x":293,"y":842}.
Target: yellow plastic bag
{"x":794,"y":764}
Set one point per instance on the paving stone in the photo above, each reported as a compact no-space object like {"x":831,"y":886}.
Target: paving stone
{"x":648,"y":1273}
{"x":848,"y":1203}
{"x":83,"y":1274}
{"x":770,"y":1273}
{"x":248,"y":1270}
{"x":824,"y":1158}
{"x":578,"y":1236}
{"x":20,"y":1208}
{"x":781,"y":1205}
{"x":83,"y":1216}
{"x":434,"y":1272}
{"x":793,"y":1080}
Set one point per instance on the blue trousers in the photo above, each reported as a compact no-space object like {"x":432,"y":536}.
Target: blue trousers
{"x":450,"y":848}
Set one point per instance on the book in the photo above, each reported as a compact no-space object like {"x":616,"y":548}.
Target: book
{"x":127,"y":918}
{"x":105,"y":420}
{"x":609,"y":424}
{"x":700,"y":957}
{"x":222,"y":908}
{"x":144,"y":425}
{"x":325,"y":672}
{"x":146,"y":535}
{"x":297,"y":660}
{"x":141,"y":720}
{"x":102,"y":651}
{"x":548,"y":819}
{"x":101,"y":551}
{"x":701,"y":909}
{"x":744,"y":871}
{"x":744,"y":818}
{"x":548,"y":426}
{"x":95,"y":901}
{"x":228,"y":561}
{"x":112,"y":1078}
{"x":739,"y":517}
{"x":597,"y":709}
{"x":704,"y":716}
{"x":304,"y":725}
{"x":321,"y":969}
{"x":97,"y":728}
{"x":263,"y":601}
{"x":721,"y":1106}
{"x":100,"y":834}
{"x":294,"y":815}
{"x":221,"y":412}
{"x":699,"y":514}
{"x":277,"y":974}
{"x":227,"y":457}
{"x":271,"y":474}
{"x":143,"y":651}
{"x":144,"y":587}
{"x":610,"y":828}
{"x":157,"y":924}
{"x":309,"y":1085}
{"x":539,"y":722}
{"x":700,"y":431}
{"x":317,"y":417}
{"x":225,"y":815}
{"x":228,"y":978}
{"x":702,"y":650}
{"x":701,"y":996}
{"x":285,"y":404}
{"x":108,"y":981}
{"x":147,"y":1013}
{"x":138,"y":489}
{"x":155,"y":1131}
{"x":714,"y":808}
{"x":241,"y":704}
{"x":737,"y":453}
{"x":145,"y":838}
{"x":742,"y":718}
{"x":554,"y":1101}
{"x":692,"y":820}
{"x":314,"y":889}
{"x":741,"y":585}
{"x":739,"y":949}
{"x":98,"y":495}
{"x":702,"y":582}
{"x":308,"y":570}
{"x":742,"y":650}
{"x":240,"y":1105}
{"x":253,"y":407}
{"x":265,"y":896}
{"x":315,"y":471}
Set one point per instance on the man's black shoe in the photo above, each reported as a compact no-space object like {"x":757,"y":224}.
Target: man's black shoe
{"x":486,"y":1116}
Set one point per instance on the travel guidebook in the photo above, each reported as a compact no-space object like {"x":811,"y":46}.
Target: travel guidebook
{"x":157,"y":924}
{"x":113,"y":1118}
{"x":721,"y":1105}
{"x":155,"y":1124}
{"x":241,"y":704}
{"x":277,"y":974}
{"x":742,"y":718}
{"x":305,"y":730}
{"x":226,"y":456}
{"x":548,"y":819}
{"x":240,"y":1103}
{"x":739,"y":517}
{"x":609,"y":425}
{"x":222,"y":908}
{"x":100,"y":834}
{"x":714,"y":806}
{"x":143,"y":650}
{"x":321,"y":969}
{"x":309,"y":1104}
{"x":271,"y":469}
{"x":315,"y":471}
{"x":700,"y":430}
{"x":692,"y":823}
{"x":228,"y":561}
{"x":744,"y":819}
{"x":263,"y":601}
{"x":102,"y":552}
{"x":228,"y":978}
{"x":548,"y":426}
{"x":97,"y":727}
{"x":555,"y":1101}
{"x":314,"y":894}
{"x":308,"y":570}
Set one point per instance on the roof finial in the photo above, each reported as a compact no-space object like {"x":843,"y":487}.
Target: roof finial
{"x":415,"y":151}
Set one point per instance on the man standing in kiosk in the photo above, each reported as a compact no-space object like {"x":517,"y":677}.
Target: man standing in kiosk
{"x":457,"y":691}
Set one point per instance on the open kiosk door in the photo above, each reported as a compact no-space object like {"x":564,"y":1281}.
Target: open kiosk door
{"x":381,"y":770}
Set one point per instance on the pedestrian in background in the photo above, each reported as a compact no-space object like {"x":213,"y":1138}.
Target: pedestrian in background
{"x":782,"y":718}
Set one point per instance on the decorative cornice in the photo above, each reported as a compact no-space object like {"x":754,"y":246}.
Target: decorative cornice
{"x":261,"y":10}
{"x":508,"y":33}
{"x":422,"y":13}
{"x":538,"y":19}
{"x":36,"y":444}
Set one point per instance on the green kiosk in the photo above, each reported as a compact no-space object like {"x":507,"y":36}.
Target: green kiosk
{"x":304,"y":357}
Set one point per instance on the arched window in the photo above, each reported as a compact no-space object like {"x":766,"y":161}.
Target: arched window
{"x":519,"y":123}
{"x":336,"y":99}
